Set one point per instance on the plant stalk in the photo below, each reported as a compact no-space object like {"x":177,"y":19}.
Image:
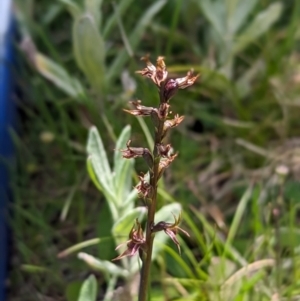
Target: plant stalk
{"x":167,"y":89}
{"x":147,"y":255}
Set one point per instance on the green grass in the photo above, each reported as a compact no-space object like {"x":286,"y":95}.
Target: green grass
{"x":242,"y":122}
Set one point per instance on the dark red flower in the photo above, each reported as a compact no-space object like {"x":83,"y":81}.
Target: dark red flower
{"x":136,"y":241}
{"x":171,"y":229}
{"x":144,"y":189}
{"x":134,"y":152}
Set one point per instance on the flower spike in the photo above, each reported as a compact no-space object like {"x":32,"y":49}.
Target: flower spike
{"x":160,"y":158}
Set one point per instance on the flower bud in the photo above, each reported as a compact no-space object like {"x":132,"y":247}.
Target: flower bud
{"x":145,"y":190}
{"x":164,"y":150}
{"x":163,"y":110}
{"x":171,"y":123}
{"x":170,"y":89}
{"x":134,"y":152}
{"x":165,"y":163}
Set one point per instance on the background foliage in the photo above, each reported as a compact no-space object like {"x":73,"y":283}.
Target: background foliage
{"x":237,"y":175}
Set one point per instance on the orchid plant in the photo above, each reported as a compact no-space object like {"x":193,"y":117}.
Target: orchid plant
{"x":157,"y":160}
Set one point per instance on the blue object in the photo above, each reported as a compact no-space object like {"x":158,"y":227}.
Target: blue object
{"x":7,"y":109}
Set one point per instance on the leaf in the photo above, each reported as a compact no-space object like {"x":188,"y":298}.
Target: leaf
{"x":164,"y":214}
{"x":239,"y":17}
{"x":97,"y":153}
{"x":288,"y":237}
{"x":211,"y":231}
{"x":214,"y":11}
{"x":73,"y":8}
{"x":88,"y":291}
{"x":93,"y":7}
{"x":93,"y":175}
{"x":220,"y":269}
{"x":173,"y":258}
{"x":120,"y":10}
{"x":231,"y":6}
{"x":146,"y":132}
{"x":34,"y":269}
{"x":248,"y":270}
{"x":244,"y":82}
{"x":238,"y":217}
{"x":105,"y":266}
{"x":103,"y":231}
{"x":128,"y":203}
{"x":58,"y":76}
{"x":135,"y":38}
{"x":251,"y":273}
{"x":99,"y":169}
{"x":89,"y":50}
{"x":123,"y":168}
{"x":102,"y":186}
{"x":79,"y":246}
{"x":261,"y":24}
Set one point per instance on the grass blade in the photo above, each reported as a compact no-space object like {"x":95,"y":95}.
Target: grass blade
{"x":134,"y":38}
{"x":58,"y":76}
{"x":105,"y":266}
{"x":238,"y":218}
{"x":77,"y":247}
{"x":261,"y":24}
